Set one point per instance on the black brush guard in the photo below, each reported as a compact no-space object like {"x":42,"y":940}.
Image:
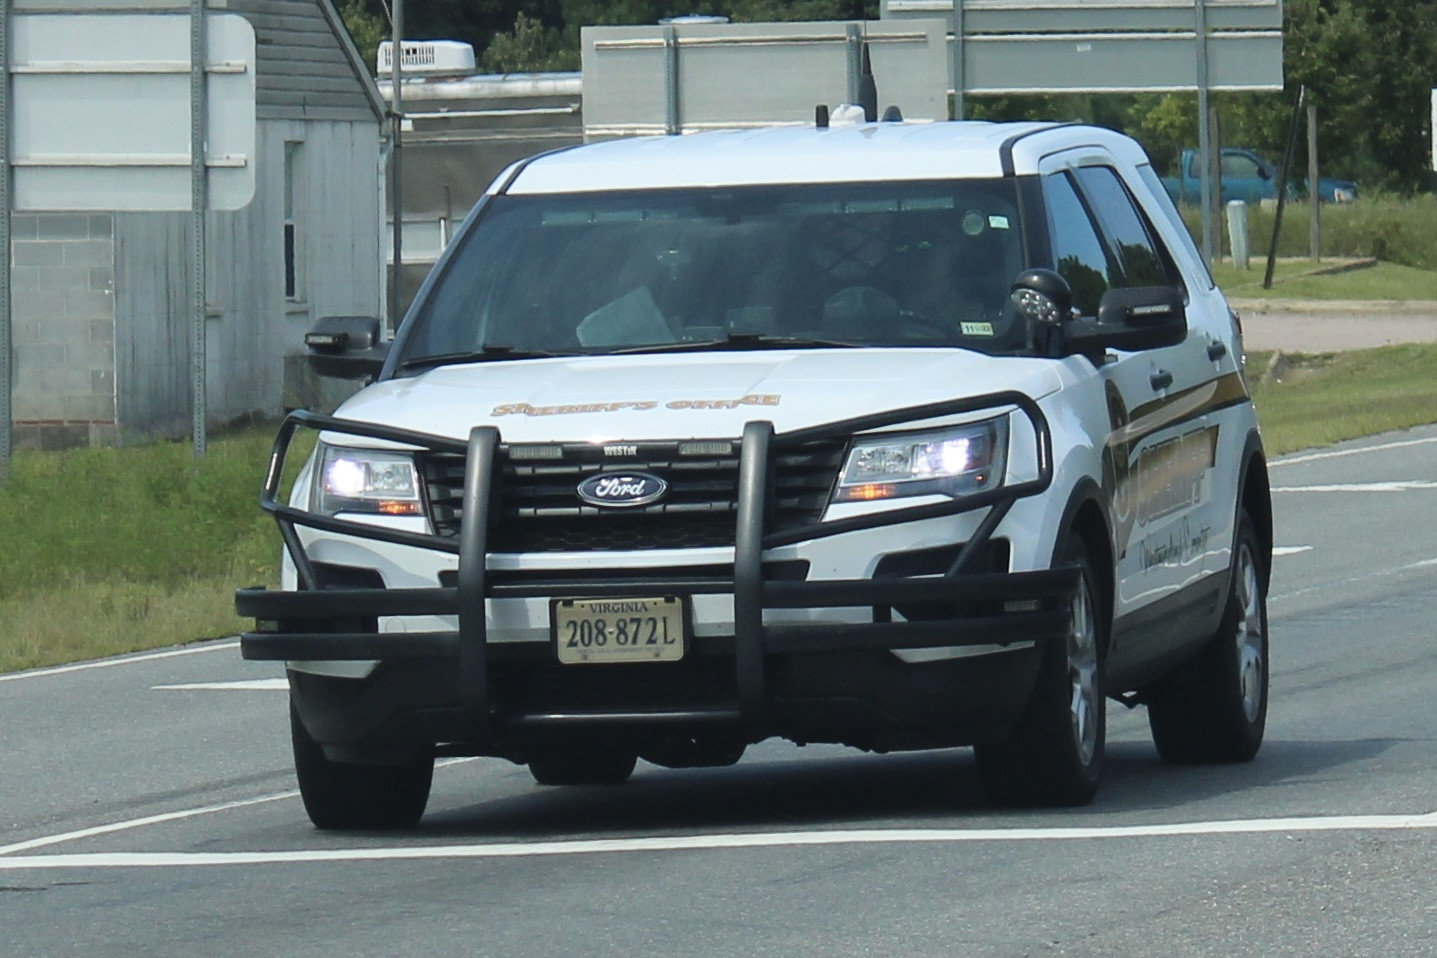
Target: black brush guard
{"x":298,"y":626}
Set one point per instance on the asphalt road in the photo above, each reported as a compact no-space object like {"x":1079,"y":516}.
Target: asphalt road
{"x":146,"y":808}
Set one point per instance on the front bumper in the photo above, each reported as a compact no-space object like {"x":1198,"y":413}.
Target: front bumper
{"x":800,"y":679}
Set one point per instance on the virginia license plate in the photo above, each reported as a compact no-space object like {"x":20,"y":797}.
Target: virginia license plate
{"x":588,"y":631}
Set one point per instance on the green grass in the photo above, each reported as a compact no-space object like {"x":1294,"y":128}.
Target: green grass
{"x":1380,"y":227}
{"x":113,"y":550}
{"x":1308,"y":401}
{"x":116,"y":550}
{"x":1304,"y":279}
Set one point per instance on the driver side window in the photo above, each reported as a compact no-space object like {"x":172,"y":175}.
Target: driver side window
{"x":1078,"y":252}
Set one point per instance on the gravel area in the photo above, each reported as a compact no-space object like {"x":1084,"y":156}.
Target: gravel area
{"x":1318,"y":326}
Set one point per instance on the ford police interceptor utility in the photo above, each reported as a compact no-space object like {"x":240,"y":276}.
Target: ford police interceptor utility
{"x":889,"y":434}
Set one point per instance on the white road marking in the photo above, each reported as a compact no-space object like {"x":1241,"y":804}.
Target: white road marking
{"x":110,"y":829}
{"x":1279,"y":551}
{"x":1336,"y":453}
{"x":127,"y":660}
{"x":1379,"y":574}
{"x":242,"y":685}
{"x":718,"y":842}
{"x":137,"y":823}
{"x":1400,"y":486}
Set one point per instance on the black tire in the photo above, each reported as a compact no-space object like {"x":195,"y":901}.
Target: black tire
{"x":690,"y":752}
{"x":1054,"y":757}
{"x":343,"y":796}
{"x":591,"y":766}
{"x":1214,"y":708}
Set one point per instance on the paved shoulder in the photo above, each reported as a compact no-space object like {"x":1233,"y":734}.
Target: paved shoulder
{"x":1315,"y":326}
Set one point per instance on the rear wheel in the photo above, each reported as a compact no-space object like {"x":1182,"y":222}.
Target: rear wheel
{"x":579,"y":766}
{"x":1214,"y":709}
{"x":347,"y":795}
{"x":1055,"y":755}
{"x":691,"y":752}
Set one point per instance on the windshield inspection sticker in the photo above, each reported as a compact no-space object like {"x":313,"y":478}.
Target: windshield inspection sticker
{"x":977,"y":329}
{"x":752,"y":399}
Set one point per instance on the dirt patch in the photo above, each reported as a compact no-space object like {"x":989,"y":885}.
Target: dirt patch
{"x":1294,"y":368}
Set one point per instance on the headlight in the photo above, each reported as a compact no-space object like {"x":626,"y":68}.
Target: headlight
{"x":956,"y":461}
{"x":366,"y":480}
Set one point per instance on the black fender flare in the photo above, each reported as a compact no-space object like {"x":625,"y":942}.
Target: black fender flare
{"x":1086,"y":495}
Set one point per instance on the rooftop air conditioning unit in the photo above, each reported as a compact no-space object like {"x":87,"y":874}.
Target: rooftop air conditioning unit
{"x":428,"y":57}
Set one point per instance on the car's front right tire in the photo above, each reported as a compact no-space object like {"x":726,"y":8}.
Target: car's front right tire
{"x":343,"y":796}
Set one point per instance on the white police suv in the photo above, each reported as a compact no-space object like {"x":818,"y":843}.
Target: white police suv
{"x":894,"y":435}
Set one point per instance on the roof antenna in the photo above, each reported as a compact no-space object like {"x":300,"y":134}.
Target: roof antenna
{"x":867,"y":89}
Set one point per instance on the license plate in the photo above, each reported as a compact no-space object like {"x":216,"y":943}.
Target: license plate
{"x":588,"y":631}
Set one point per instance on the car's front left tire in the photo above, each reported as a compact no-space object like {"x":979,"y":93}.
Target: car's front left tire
{"x":1055,"y":755}
{"x":1214,"y":709}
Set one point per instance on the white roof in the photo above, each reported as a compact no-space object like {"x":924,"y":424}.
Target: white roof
{"x":805,"y":154}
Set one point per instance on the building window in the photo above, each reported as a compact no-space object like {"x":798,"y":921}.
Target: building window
{"x":293,"y":260}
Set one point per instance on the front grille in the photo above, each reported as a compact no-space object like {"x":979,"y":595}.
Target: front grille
{"x":536,"y":506}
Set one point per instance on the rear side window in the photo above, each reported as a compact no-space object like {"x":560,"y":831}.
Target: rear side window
{"x":1078,"y":251}
{"x":1142,"y":260}
{"x":1165,"y":206}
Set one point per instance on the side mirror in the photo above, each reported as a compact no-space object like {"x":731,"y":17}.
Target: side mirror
{"x":1042,"y":296}
{"x":1045,"y":300}
{"x":1132,"y":318}
{"x":346,"y":347}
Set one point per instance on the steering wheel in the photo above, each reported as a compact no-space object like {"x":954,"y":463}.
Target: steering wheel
{"x":913,"y":321}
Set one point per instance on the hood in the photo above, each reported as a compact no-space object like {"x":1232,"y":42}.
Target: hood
{"x":689,"y":395}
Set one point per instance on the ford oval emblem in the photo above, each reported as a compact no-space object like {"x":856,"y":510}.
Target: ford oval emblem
{"x":622,"y":489}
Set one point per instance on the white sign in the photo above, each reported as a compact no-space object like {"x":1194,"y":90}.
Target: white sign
{"x":1050,"y":46}
{"x":100,"y":112}
{"x":695,"y":76}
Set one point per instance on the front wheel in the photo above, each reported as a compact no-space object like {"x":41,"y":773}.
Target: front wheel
{"x":350,"y":796}
{"x":1214,"y":709}
{"x":1055,"y":755}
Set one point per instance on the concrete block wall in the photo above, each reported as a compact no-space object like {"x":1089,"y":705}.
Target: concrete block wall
{"x":63,"y":329}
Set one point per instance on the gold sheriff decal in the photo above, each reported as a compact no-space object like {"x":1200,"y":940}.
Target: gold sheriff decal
{"x":570,"y":409}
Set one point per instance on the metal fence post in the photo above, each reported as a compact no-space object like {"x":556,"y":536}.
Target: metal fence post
{"x":6,"y":354}
{"x":1205,"y":185}
{"x":396,"y":164}
{"x":199,"y":349}
{"x":673,"y":122}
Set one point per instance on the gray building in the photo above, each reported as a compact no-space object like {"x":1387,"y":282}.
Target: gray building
{"x":101,"y":313}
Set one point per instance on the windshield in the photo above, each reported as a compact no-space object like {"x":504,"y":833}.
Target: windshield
{"x":888,"y":264}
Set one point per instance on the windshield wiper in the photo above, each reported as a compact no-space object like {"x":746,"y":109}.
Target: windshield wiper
{"x":738,"y":341}
{"x":488,"y":353}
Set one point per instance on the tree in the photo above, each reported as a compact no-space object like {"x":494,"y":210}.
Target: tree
{"x":528,"y":48}
{"x":365,"y":29}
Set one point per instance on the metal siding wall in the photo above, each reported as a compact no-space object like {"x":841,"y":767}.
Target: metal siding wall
{"x":246,"y":287}
{"x":303,"y":71}
{"x":254,"y":329}
{"x":152,"y":323}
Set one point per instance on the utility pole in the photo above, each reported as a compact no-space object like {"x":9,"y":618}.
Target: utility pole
{"x":199,"y":199}
{"x":396,"y":166}
{"x":6,"y":354}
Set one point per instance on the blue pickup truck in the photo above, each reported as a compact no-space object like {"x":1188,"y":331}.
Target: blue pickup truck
{"x":1247,"y":176}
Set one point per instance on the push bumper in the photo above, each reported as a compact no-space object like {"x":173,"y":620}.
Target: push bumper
{"x":957,"y":608}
